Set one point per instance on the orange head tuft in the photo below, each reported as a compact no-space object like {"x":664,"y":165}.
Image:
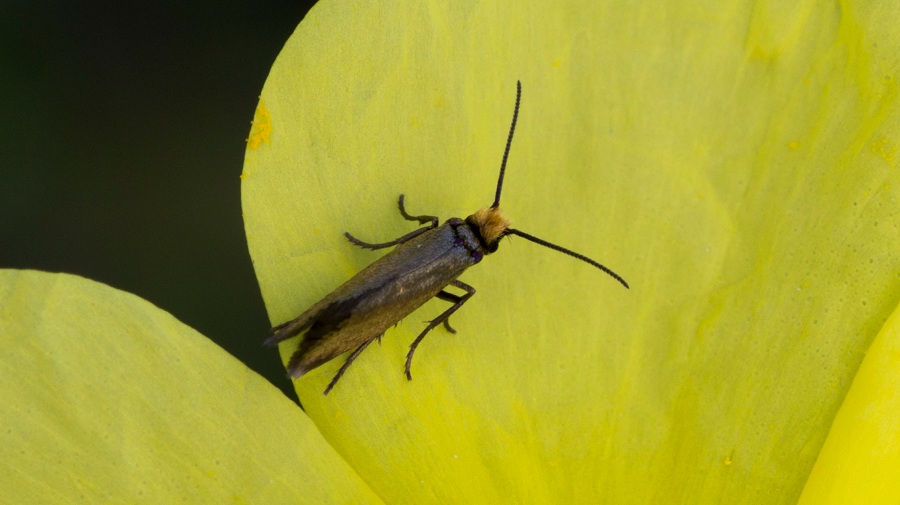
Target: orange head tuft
{"x":490,"y":224}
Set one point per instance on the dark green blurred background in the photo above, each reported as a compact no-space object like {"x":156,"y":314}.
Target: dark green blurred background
{"x":122,"y":142}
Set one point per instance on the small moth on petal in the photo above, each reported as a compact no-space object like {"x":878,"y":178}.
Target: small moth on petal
{"x":424,"y":263}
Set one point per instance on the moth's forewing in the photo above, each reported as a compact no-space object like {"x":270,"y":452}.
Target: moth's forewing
{"x":376,"y":298}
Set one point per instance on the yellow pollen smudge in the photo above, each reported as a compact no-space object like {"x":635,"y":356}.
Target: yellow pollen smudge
{"x":884,"y":148}
{"x":262,"y":127}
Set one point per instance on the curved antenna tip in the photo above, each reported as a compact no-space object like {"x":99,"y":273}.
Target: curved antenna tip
{"x":540,"y":241}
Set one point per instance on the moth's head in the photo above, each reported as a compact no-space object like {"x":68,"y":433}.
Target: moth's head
{"x":490,"y":225}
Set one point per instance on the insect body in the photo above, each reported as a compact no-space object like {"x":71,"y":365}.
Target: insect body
{"x":421,"y":267}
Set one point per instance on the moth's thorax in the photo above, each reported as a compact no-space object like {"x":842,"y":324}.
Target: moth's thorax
{"x":466,"y":238}
{"x":490,"y":225}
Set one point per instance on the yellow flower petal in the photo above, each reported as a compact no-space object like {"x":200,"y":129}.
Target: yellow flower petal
{"x":733,"y":161}
{"x":107,"y":399}
{"x":860,"y":461}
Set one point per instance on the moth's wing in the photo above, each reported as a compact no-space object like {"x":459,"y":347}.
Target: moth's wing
{"x":378,"y":297}
{"x":290,"y":328}
{"x":332,"y":310}
{"x":336,"y":306}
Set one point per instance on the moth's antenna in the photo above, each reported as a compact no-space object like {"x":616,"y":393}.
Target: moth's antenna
{"x":512,"y":129}
{"x":510,"y":231}
{"x":532,"y":238}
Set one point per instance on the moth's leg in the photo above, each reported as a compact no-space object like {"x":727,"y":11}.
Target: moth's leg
{"x":420,"y":219}
{"x":365,"y":245}
{"x":448,"y":327}
{"x":449,"y":297}
{"x":432,"y":220}
{"x":443,"y":295}
{"x":346,"y":364}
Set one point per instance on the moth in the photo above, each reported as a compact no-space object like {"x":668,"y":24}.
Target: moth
{"x":424,"y":263}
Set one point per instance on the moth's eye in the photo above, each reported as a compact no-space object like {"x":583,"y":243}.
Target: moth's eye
{"x":492,"y":247}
